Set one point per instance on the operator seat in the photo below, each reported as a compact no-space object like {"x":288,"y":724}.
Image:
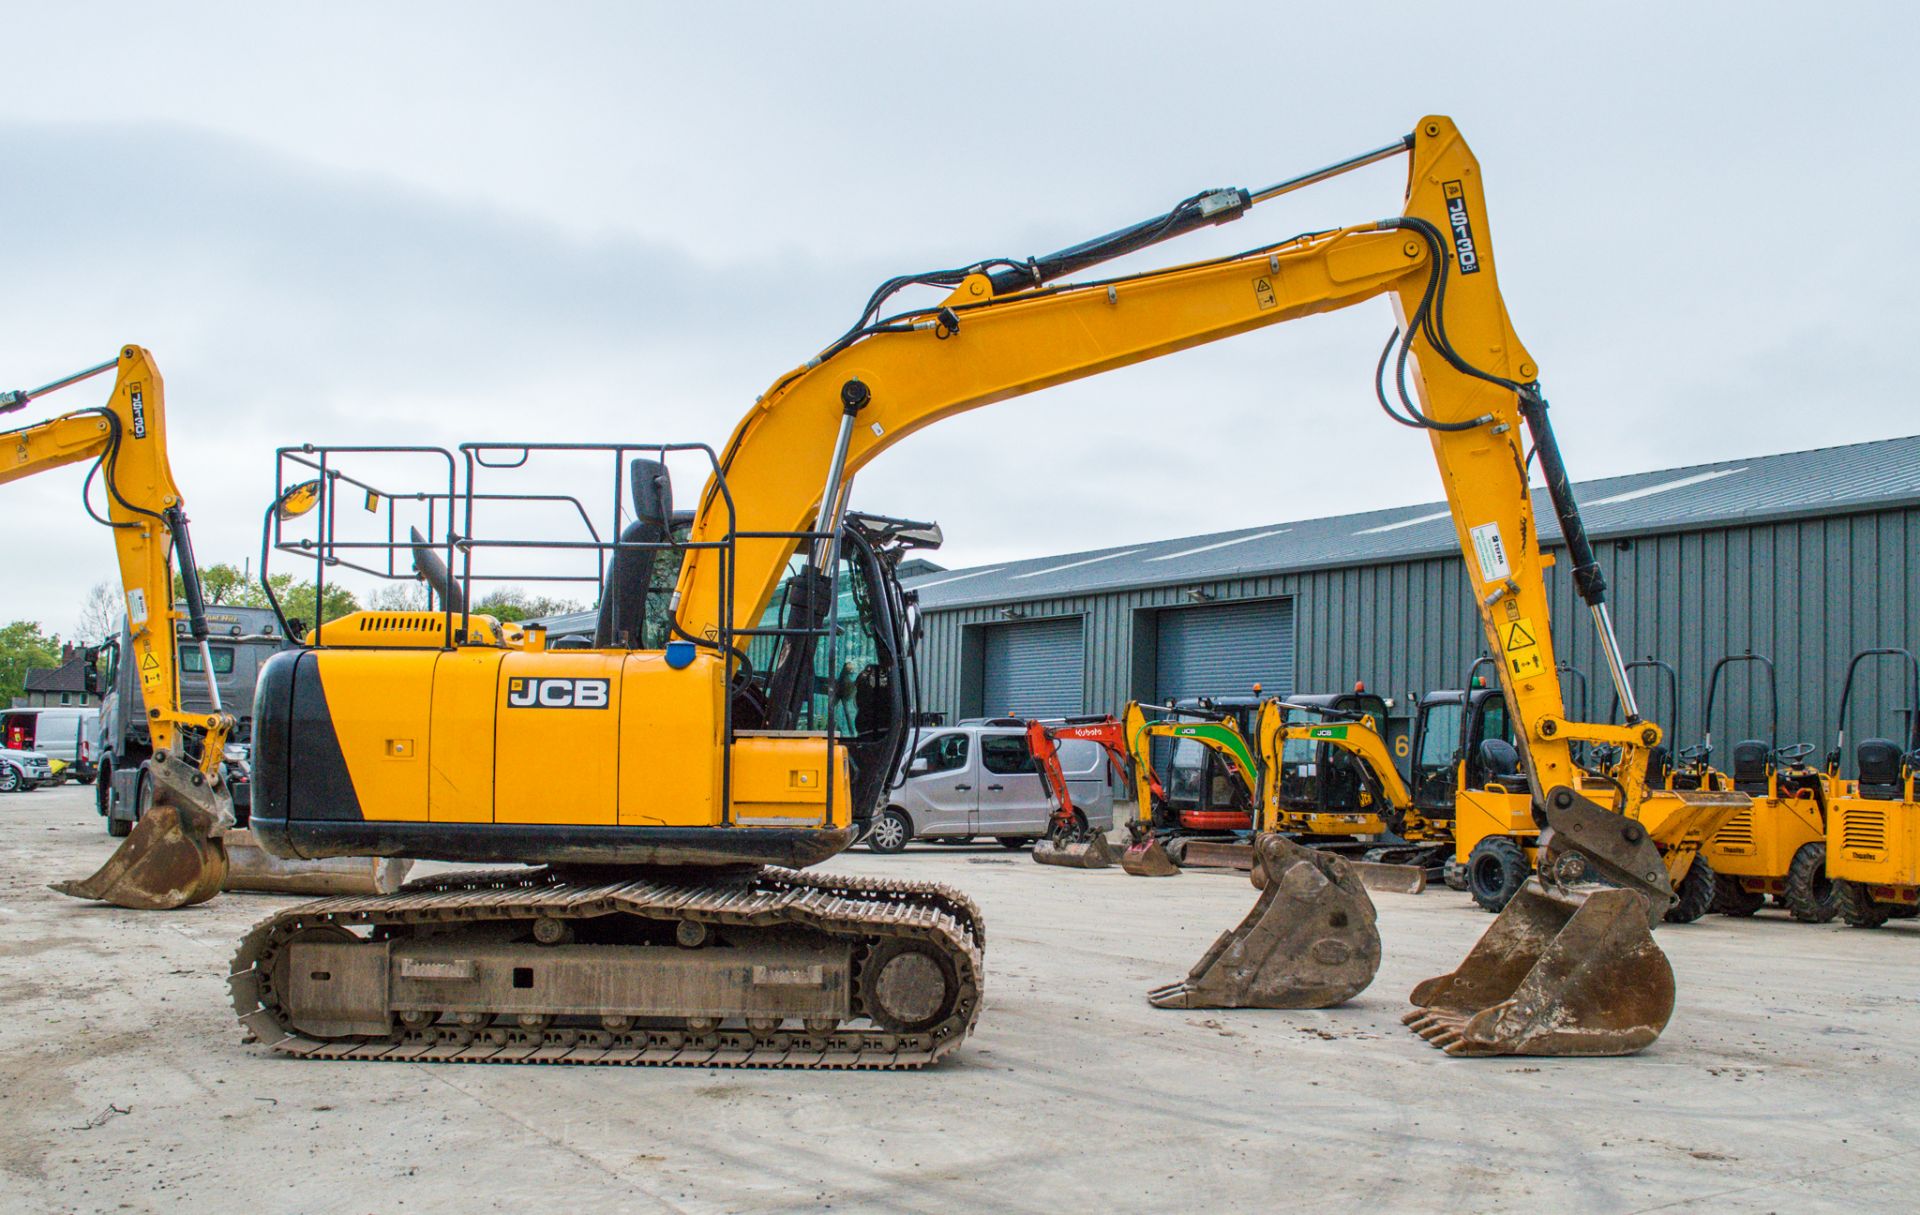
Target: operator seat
{"x":1749,"y":772}
{"x":1499,"y":763}
{"x":1879,"y":770}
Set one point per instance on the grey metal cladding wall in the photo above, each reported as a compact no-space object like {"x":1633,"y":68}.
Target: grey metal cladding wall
{"x":1034,"y":669}
{"x":1224,"y":649}
{"x":1809,"y":593}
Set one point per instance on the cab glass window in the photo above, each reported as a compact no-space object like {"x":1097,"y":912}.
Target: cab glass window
{"x":190,"y":659}
{"x":1441,"y":738}
{"x":1494,"y":721}
{"x":1006,"y":754}
{"x":945,"y":753}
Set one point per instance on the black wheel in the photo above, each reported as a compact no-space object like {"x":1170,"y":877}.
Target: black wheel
{"x":1731,"y":898}
{"x":120,"y":828}
{"x":1063,"y":834}
{"x":1859,"y":908}
{"x":9,"y":779}
{"x":1812,"y":897}
{"x":890,"y":831}
{"x":102,"y":788}
{"x":1495,"y":869}
{"x":1012,"y":843}
{"x":1696,"y":893}
{"x":1454,"y":874}
{"x":907,"y":987}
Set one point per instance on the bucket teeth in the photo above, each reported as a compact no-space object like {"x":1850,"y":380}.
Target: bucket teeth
{"x":1309,"y":941}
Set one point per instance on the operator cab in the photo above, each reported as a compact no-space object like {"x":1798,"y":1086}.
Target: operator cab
{"x":1452,"y":726}
{"x":1319,"y":777}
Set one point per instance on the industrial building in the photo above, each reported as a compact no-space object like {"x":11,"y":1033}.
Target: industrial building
{"x":1804,"y":557}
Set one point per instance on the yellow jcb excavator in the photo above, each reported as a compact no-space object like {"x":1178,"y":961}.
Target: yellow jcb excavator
{"x":186,"y":846}
{"x":669,"y":923}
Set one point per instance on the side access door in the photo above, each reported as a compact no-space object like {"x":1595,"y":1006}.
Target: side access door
{"x":1013,"y":801}
{"x":942,"y":784}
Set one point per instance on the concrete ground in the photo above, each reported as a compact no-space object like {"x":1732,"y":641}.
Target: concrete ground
{"x":1785,"y":1082}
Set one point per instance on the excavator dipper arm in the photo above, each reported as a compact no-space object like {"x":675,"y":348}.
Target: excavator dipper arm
{"x":175,"y":856}
{"x":1461,"y":374}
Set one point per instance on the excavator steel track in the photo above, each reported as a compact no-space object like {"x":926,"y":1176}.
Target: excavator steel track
{"x":870,"y":913}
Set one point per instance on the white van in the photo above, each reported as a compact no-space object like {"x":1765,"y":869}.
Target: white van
{"x":67,"y":736}
{"x":978,"y":779}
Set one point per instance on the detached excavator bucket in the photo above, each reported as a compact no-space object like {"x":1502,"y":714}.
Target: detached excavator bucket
{"x":1093,"y":852}
{"x":1309,"y":942}
{"x":1148,"y":857}
{"x":251,"y":867}
{"x":174,"y":856}
{"x":1390,"y":879}
{"x":1565,"y":969}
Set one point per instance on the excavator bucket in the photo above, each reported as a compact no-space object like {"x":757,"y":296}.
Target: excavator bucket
{"x":251,"y":867}
{"x":175,"y":856}
{"x":1148,"y":857}
{"x":1565,"y":969}
{"x":1093,"y":852}
{"x":1309,"y":942}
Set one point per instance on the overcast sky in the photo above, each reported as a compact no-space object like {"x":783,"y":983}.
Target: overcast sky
{"x":435,"y":223}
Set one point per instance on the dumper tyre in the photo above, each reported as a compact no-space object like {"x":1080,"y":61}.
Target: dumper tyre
{"x":1859,"y":908}
{"x":1454,"y":874}
{"x":1496,"y":868}
{"x":1731,"y":898}
{"x":1696,"y":891}
{"x":1811,"y":896}
{"x":103,"y":788}
{"x":890,"y":831}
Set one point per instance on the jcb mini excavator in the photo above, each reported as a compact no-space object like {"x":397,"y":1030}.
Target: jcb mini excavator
{"x":667,"y":923}
{"x":1873,"y":817}
{"x":1778,"y":844}
{"x":186,"y":846}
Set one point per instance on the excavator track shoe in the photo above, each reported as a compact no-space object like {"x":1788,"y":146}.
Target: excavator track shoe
{"x":251,"y":867}
{"x":1309,"y":942}
{"x":1560,"y":972}
{"x":767,"y":968}
{"x":174,"y":857}
{"x":1093,"y":852}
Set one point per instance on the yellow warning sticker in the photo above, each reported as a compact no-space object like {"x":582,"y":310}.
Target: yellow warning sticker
{"x":1523,"y":647}
{"x":150,"y":663}
{"x":1263,"y":291}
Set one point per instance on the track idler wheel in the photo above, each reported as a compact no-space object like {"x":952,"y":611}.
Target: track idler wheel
{"x":174,"y":856}
{"x":1309,"y":942}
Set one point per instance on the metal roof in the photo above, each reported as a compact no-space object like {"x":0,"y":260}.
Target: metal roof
{"x":1826,"y":481}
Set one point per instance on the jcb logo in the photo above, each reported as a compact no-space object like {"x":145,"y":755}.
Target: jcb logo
{"x":1463,"y":246}
{"x":557,"y":693}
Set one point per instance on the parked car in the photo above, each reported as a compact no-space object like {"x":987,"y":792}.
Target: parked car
{"x":23,"y":770}
{"x":66,"y":735}
{"x":978,"y":779}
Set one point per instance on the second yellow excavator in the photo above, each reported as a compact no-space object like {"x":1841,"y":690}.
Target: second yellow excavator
{"x":719,"y":739}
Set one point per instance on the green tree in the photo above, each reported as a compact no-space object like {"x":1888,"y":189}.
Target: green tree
{"x":512,"y":603}
{"x":23,"y":648}
{"x":296,"y":600}
{"x":225,"y":585}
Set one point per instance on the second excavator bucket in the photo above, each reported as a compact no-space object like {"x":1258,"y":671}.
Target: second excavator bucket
{"x":1566,"y":969}
{"x":251,"y":867}
{"x":175,"y":856}
{"x":1146,"y":856}
{"x":1093,"y":852}
{"x":1309,"y":942}
{"x":1390,"y":879}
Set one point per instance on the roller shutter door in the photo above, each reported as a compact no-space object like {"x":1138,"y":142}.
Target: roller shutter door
{"x":1225,"y":650}
{"x":1033,"y":670}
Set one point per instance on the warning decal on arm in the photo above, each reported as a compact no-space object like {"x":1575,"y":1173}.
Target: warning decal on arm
{"x":1522,"y":645}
